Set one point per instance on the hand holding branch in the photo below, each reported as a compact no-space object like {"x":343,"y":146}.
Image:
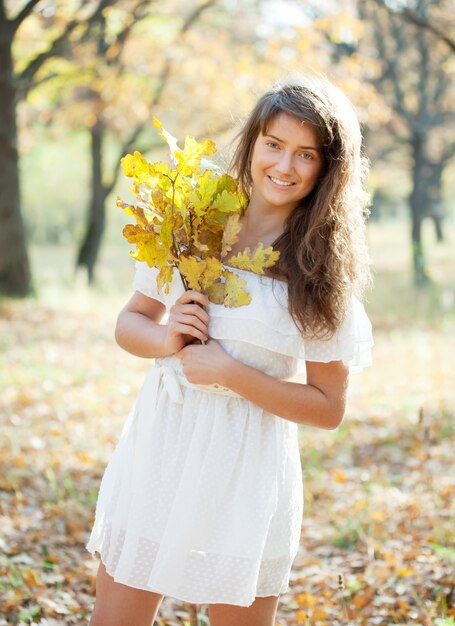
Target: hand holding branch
{"x":188,"y":320}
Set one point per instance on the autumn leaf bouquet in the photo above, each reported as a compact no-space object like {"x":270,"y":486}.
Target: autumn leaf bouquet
{"x":187,"y":216}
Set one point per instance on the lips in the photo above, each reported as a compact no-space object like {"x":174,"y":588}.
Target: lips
{"x":283,"y":184}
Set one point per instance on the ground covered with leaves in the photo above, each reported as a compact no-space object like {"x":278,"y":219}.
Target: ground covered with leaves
{"x":377,"y":546}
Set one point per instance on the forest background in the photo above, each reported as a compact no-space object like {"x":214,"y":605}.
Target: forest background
{"x":79,"y":85}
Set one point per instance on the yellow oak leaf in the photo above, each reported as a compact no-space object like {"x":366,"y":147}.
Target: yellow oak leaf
{"x":137,"y":212}
{"x":208,"y":238}
{"x":135,"y":233}
{"x":230,"y":234}
{"x":234,"y":292}
{"x":177,"y":196}
{"x":145,"y":251}
{"x":201,"y":196}
{"x":144,"y":173}
{"x":191,"y":268}
{"x":215,"y":292}
{"x":167,"y":228}
{"x":134,"y":165}
{"x":189,"y":158}
{"x":164,"y":277}
{"x":256,"y":261}
{"x":200,"y":274}
{"x":200,"y":240}
{"x":161,"y":174}
{"x":160,"y":200}
{"x":213,"y":268}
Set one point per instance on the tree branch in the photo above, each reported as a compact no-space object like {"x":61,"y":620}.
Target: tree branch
{"x":418,"y":21}
{"x":24,"y":13}
{"x":195,"y":15}
{"x":57,"y":46}
{"x":123,"y":35}
{"x":162,"y":80}
{"x":389,"y":60}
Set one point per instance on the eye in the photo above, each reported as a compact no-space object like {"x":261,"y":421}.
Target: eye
{"x":271,"y":144}
{"x":307,"y":155}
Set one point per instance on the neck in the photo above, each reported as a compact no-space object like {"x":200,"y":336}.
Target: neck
{"x":263,"y":224}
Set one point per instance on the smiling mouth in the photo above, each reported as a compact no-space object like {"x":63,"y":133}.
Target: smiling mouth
{"x":280,"y":183}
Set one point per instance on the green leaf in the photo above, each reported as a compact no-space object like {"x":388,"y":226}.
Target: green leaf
{"x":226,"y":202}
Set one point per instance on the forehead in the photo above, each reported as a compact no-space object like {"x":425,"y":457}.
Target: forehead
{"x":290,"y":128}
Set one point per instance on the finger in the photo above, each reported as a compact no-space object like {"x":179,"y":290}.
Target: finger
{"x":191,"y":320}
{"x":197,"y":310}
{"x":194,"y":309}
{"x":185,"y":329}
{"x":194,"y":296}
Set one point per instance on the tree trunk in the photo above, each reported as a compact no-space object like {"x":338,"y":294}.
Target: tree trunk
{"x":418,"y":206}
{"x":15,"y":278}
{"x":434,"y":192}
{"x":438,"y":229}
{"x":96,"y":218}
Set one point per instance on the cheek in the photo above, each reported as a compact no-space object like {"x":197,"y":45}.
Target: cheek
{"x":255,"y":164}
{"x":260,"y":159}
{"x":311,"y":173}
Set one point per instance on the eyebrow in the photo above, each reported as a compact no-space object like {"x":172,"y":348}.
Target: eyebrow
{"x":300,"y":147}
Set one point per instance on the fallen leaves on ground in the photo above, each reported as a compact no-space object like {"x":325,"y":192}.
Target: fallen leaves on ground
{"x":377,"y":540}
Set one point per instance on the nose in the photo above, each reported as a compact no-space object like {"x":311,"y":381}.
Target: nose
{"x":285,"y":163}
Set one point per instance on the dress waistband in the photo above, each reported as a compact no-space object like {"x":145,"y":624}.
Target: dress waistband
{"x":173,"y":382}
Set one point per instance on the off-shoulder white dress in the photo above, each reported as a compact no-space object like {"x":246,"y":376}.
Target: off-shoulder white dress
{"x":202,"y":499}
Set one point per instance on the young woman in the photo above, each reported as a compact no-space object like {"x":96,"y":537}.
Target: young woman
{"x":202,"y":500}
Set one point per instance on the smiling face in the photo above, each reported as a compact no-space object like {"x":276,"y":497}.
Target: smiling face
{"x":285,"y":164}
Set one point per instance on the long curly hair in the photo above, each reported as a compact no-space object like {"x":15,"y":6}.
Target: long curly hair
{"x":323,"y":252}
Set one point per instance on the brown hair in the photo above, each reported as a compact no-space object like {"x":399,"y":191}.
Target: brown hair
{"x":323,"y":252}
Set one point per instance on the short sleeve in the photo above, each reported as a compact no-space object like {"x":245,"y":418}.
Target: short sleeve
{"x":352,"y":343}
{"x":145,"y":282}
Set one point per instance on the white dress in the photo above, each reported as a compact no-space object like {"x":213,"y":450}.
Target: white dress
{"x":202,"y":499}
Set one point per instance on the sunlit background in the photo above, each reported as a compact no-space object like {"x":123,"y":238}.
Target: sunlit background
{"x":79,"y":85}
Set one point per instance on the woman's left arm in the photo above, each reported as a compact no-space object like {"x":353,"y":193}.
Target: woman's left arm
{"x":319,"y":402}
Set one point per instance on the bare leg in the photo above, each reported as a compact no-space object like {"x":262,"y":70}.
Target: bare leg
{"x":120,"y":605}
{"x":261,"y":613}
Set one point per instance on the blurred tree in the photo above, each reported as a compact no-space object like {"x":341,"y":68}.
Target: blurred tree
{"x":414,"y":73}
{"x":198,"y":76}
{"x":16,"y":81}
{"x":136,"y":63}
{"x":440,"y":23}
{"x":111,"y":74}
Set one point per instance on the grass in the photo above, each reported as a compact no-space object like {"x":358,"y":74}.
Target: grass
{"x":395,"y":301}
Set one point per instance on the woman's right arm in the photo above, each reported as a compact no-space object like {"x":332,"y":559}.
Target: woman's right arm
{"x":139,"y":331}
